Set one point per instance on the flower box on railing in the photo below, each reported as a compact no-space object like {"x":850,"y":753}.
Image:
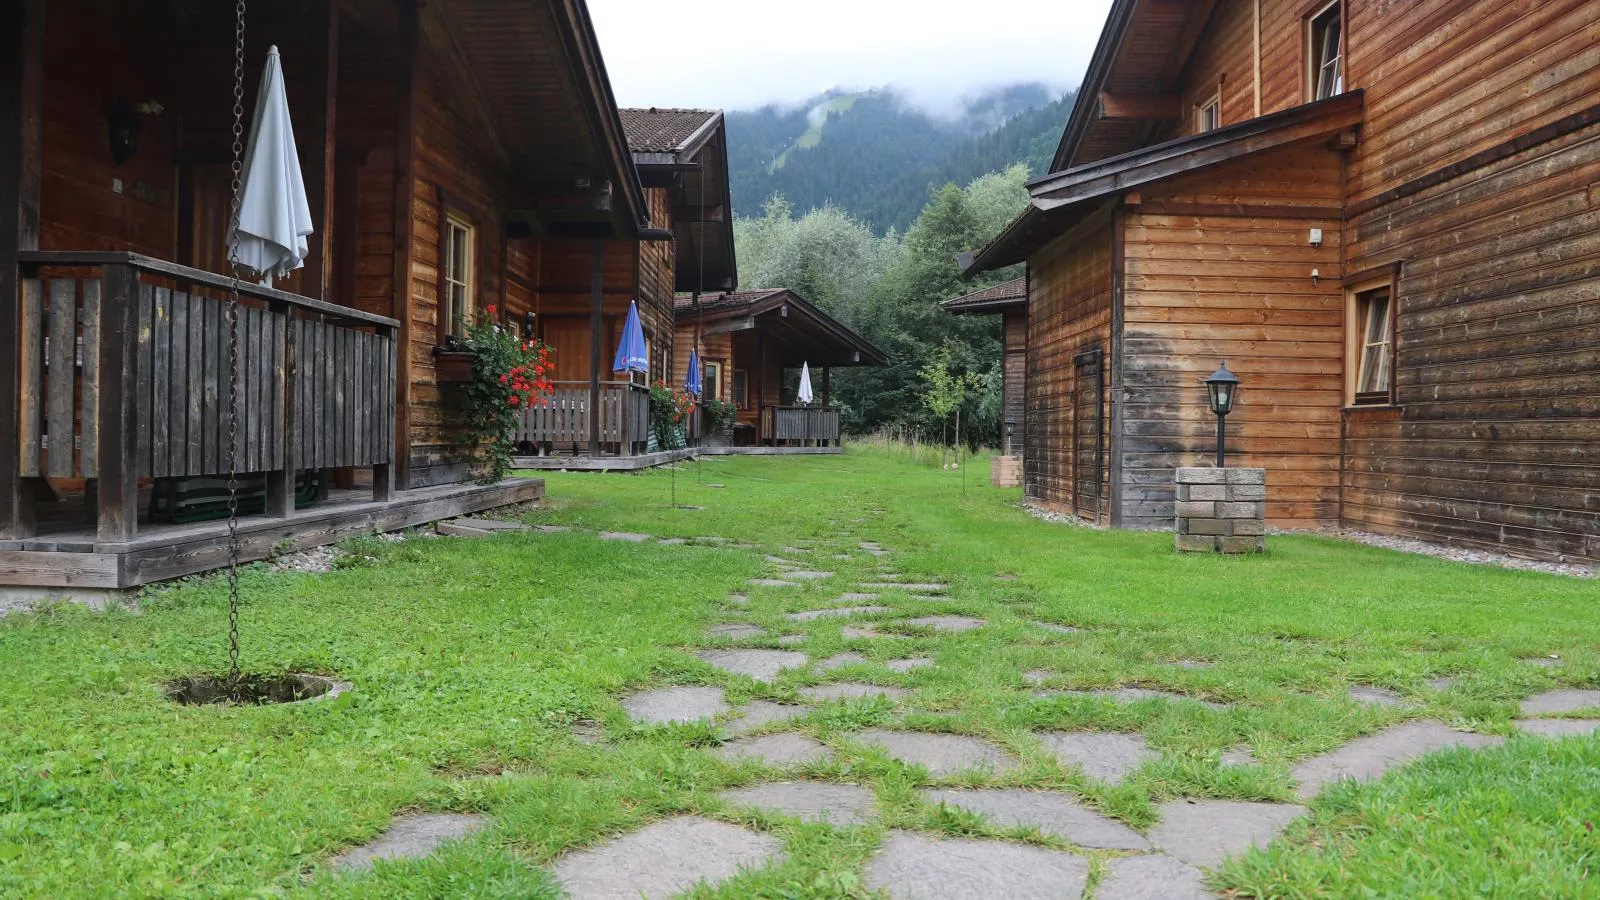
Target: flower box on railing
{"x":453,"y":366}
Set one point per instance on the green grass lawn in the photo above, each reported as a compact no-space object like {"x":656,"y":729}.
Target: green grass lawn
{"x":472,"y":659}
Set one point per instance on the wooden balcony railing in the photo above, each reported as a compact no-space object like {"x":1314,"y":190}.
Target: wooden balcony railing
{"x":124,"y":375}
{"x":565,"y":422}
{"x":800,"y":425}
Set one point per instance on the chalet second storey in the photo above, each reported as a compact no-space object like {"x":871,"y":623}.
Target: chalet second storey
{"x":1383,"y":216}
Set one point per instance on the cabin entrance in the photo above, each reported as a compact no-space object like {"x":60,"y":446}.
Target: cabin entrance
{"x":1088,"y":408}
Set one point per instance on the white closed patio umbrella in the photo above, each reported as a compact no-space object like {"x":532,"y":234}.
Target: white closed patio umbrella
{"x":274,"y":214}
{"x":804,"y":395}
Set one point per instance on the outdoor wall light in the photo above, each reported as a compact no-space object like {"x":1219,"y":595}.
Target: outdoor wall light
{"x":123,"y":132}
{"x":1224,"y":387}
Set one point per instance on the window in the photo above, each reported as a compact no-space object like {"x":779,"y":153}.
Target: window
{"x":1208,"y":115}
{"x":712,"y":383}
{"x":741,"y":389}
{"x":458,"y":293}
{"x":1325,"y":53}
{"x":1373,"y":321}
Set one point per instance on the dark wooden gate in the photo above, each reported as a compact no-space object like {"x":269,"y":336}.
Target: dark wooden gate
{"x":1088,"y":408}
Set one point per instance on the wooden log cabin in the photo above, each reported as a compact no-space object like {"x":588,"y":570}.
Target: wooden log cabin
{"x":752,"y":345}
{"x":1383,"y":216}
{"x":681,"y":158}
{"x":458,"y":156}
{"x":1009,"y":301}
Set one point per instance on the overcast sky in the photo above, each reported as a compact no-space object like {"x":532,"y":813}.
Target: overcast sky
{"x":739,"y":54}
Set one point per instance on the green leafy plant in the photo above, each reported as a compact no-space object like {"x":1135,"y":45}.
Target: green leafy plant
{"x":509,"y":375}
{"x":670,"y":407}
{"x":722,"y":412}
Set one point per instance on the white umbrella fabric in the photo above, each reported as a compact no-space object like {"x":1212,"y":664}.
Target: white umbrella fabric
{"x":804,"y":395}
{"x":274,"y":214}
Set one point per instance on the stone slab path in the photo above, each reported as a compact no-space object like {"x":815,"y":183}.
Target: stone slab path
{"x":809,"y":801}
{"x":840,"y":612}
{"x":1108,"y":757}
{"x":762,"y":665}
{"x":1151,"y":878}
{"x":1050,"y":813}
{"x":1205,"y":832}
{"x":675,"y":705}
{"x":1561,"y":701}
{"x":1558,"y":727}
{"x":761,"y":713}
{"x":411,"y":837}
{"x":940,"y":754}
{"x":1368,"y":757}
{"x":945,"y":623}
{"x":787,"y":749}
{"x":908,"y":665}
{"x":839,"y":661}
{"x":663,"y":859}
{"x":912,"y":866}
{"x":852,"y":690}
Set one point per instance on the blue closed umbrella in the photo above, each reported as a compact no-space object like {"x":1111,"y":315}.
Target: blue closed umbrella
{"x":694,"y":384}
{"x":630,"y":352}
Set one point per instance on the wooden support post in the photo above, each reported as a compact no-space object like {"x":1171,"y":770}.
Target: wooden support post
{"x":117,"y":511}
{"x":21,"y":101}
{"x":827,"y":393}
{"x":319,"y":141}
{"x":409,"y":78}
{"x":597,"y":278}
{"x":383,"y":473}
{"x":761,"y":390}
{"x":286,"y":415}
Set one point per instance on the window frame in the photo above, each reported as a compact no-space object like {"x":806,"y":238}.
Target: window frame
{"x":1358,"y":321}
{"x":1212,"y":104}
{"x":454,"y":221}
{"x":712,"y":385}
{"x":741,"y":388}
{"x":1314,"y":61}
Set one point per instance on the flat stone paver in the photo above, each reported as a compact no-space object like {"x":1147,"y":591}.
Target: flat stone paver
{"x":552,"y":529}
{"x":870,"y":545}
{"x":809,"y":801}
{"x":738,"y":599}
{"x":1561,"y":701}
{"x":411,"y":837}
{"x":1050,"y":813}
{"x":785,"y":749}
{"x":1192,"y":664}
{"x":804,"y":575}
{"x":663,"y":859}
{"x":908,"y":665}
{"x":940,"y":754}
{"x":911,"y":866}
{"x":675,"y":704}
{"x":1135,"y":694}
{"x":734,"y":630}
{"x":1543,"y":662}
{"x":629,"y":536}
{"x":855,"y":597}
{"x":1443,"y":682}
{"x":1375,"y":696}
{"x":1238,"y":756}
{"x":1558,"y":727}
{"x":759,"y":713}
{"x":1205,"y":832}
{"x":861,"y":631}
{"x":773,"y":583}
{"x":837,"y":612}
{"x":673,"y":542}
{"x":1108,"y":756}
{"x":1368,"y":757}
{"x":839,"y":661}
{"x":780,"y":561}
{"x":791,"y":640}
{"x":1056,"y":627}
{"x":900,"y":585}
{"x":762,"y":665}
{"x":1151,"y":878}
{"x":852,"y":690}
{"x":945,"y":623}
{"x":1037,"y":676}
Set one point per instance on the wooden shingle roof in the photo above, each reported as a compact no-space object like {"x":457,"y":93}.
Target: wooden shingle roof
{"x":658,"y":130}
{"x":990,"y":299}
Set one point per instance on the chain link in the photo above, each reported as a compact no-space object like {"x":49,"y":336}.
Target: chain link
{"x":234,"y":677}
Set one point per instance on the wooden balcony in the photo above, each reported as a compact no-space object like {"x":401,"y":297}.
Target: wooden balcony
{"x":565,"y":424}
{"x":800,"y":426}
{"x":124,"y":376}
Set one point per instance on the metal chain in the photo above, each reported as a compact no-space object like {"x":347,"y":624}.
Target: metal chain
{"x":233,"y":347}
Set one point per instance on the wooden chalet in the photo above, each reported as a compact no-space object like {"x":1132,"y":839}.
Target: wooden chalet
{"x":458,"y":155}
{"x":1009,"y":301}
{"x":752,"y":345}
{"x":1381,"y":215}
{"x":681,"y":157}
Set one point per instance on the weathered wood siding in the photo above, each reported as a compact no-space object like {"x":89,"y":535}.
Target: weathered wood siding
{"x":1495,"y":441}
{"x":713,"y":348}
{"x":1069,"y":312}
{"x":1014,"y":374}
{"x":1208,"y":282}
{"x":657,"y":276}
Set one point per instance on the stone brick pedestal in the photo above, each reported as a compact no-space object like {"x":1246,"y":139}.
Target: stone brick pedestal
{"x":1221,"y":510}
{"x":1006,"y":471}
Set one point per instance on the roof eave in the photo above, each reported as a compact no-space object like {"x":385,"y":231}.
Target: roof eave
{"x":1094,"y":80}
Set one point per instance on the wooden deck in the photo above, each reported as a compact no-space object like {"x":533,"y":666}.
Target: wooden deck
{"x":770,"y":451}
{"x":602,"y":463}
{"x":75,"y":558}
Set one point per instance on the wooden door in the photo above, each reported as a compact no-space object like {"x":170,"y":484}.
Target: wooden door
{"x":1088,"y":407}
{"x":568,"y":338}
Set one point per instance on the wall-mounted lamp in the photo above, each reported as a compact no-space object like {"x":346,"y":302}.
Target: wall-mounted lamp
{"x":527,"y":325}
{"x":123,"y":132}
{"x":1316,"y":276}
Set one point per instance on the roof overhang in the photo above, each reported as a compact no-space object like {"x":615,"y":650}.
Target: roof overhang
{"x":991,"y":300}
{"x":799,"y":325}
{"x":1062,"y":199}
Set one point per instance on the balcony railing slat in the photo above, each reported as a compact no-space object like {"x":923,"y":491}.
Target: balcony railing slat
{"x":31,"y":387}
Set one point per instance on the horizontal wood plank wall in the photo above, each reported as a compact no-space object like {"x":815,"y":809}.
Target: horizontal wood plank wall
{"x":370,"y":82}
{"x":1014,"y":372}
{"x":1222,"y":64}
{"x":713,"y":348}
{"x":1209,"y":284}
{"x":1069,"y":311}
{"x":458,"y":169}
{"x":657,"y":277}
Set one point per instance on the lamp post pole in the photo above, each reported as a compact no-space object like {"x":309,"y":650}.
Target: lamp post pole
{"x":1223,"y":387}
{"x":1222,"y":440}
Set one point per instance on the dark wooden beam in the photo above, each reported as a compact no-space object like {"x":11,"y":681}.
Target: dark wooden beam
{"x":597,"y":284}
{"x":1140,"y":106}
{"x":404,"y":213}
{"x":21,"y":104}
{"x":319,"y":141}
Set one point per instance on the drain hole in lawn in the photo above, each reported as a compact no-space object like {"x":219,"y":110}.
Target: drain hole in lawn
{"x":252,"y":690}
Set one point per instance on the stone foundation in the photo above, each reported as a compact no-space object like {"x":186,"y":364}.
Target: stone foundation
{"x":1221,"y":510}
{"x":1006,"y":471}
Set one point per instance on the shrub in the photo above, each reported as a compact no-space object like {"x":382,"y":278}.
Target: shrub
{"x":509,"y":375}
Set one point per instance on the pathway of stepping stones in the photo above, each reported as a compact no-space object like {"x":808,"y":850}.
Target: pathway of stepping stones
{"x":1023,"y":841}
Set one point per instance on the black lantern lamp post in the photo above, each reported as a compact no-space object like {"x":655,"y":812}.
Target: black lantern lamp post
{"x":1224,"y":387}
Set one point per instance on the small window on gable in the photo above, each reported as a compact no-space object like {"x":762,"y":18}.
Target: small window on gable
{"x":1208,"y":115}
{"x":1372,"y":322}
{"x":1325,"y":53}
{"x":458,"y":288}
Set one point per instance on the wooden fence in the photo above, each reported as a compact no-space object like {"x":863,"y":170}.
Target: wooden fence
{"x":565,"y":421}
{"x":800,"y":425}
{"x":124,"y":374}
